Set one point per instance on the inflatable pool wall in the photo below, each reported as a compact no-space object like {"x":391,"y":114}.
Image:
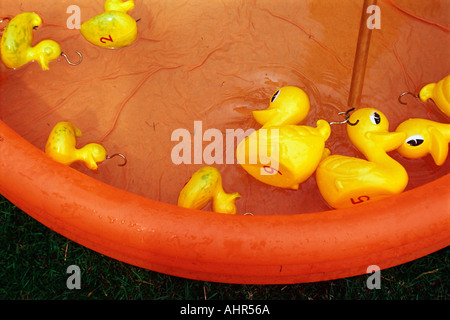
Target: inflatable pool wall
{"x":216,"y":62}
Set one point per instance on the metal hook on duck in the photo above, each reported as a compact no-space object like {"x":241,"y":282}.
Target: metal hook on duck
{"x":439,"y":92}
{"x":61,"y":147}
{"x":347,"y":117}
{"x":405,"y":93}
{"x":118,"y":155}
{"x":73,"y":63}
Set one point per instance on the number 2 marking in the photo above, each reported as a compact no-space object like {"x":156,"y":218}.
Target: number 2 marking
{"x":104,"y":39}
{"x":361,"y":199}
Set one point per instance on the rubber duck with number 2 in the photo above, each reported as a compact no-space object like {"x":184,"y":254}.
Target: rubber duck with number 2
{"x":112,"y":29}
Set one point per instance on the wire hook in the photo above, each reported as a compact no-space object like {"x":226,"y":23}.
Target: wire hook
{"x":120,"y":155}
{"x":405,"y":93}
{"x":347,"y":116}
{"x":340,"y":122}
{"x":72,"y":63}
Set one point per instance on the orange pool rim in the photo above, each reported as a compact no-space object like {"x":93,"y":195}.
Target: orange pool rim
{"x":223,"y":248}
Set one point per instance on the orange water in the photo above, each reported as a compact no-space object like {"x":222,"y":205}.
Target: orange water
{"x":216,"y":61}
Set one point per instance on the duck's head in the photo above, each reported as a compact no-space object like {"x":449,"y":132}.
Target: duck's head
{"x":423,"y":137}
{"x":439,"y":92}
{"x":288,"y":105}
{"x":92,"y":154}
{"x":97,"y":151}
{"x":119,"y":5}
{"x":45,"y":51}
{"x":368,"y":130}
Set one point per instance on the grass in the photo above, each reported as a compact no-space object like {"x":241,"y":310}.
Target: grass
{"x":34,"y":261}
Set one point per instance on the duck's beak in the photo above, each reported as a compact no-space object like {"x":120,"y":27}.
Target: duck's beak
{"x":264,"y":116}
{"x":389,"y":140}
{"x":438,"y":146}
{"x":43,"y":63}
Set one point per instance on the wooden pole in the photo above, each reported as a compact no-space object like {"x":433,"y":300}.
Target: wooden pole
{"x":359,"y":64}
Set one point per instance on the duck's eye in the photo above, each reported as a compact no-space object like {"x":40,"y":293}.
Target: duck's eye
{"x":415,"y":140}
{"x":275,"y":96}
{"x":375,"y":118}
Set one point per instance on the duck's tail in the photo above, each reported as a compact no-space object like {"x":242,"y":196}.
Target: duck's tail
{"x":225,"y":202}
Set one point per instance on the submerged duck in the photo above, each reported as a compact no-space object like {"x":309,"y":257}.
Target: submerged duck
{"x":425,"y":137}
{"x":61,"y":147}
{"x":206,"y":185}
{"x":439,"y":92}
{"x":112,"y":29}
{"x":281,"y":153}
{"x":346,"y":181}
{"x":16,"y":49}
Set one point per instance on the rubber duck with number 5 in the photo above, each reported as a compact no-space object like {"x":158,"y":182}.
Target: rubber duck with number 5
{"x":347,"y":181}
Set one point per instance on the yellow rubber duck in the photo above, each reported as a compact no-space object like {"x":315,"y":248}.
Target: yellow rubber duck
{"x":112,"y":29}
{"x":347,"y":181}
{"x":205,"y":185}
{"x":425,"y":137}
{"x":61,"y":147}
{"x":439,"y":92}
{"x":281,"y":153}
{"x":16,"y":49}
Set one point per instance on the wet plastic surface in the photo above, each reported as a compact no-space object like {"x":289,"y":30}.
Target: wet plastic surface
{"x":216,"y":62}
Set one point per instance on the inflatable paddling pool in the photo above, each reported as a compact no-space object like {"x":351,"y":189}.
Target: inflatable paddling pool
{"x":216,"y":62}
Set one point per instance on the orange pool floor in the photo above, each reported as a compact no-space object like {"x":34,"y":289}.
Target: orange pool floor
{"x":216,"y":62}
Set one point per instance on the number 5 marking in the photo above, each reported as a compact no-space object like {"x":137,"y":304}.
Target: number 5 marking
{"x":361,"y":199}
{"x":104,"y":39}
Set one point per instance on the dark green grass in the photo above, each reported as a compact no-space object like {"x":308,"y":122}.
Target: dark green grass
{"x":34,"y":261}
